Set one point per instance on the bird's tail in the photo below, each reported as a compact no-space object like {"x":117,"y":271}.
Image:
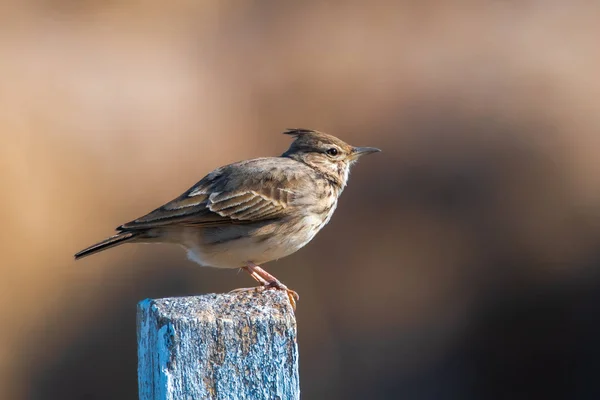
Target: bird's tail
{"x":112,"y":241}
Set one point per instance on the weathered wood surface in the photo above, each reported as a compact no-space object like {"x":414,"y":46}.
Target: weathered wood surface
{"x":226,"y":346}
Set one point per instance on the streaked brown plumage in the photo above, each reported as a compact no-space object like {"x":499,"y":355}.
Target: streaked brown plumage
{"x":248,"y":213}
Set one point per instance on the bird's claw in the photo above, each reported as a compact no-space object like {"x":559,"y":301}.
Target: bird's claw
{"x":292,"y":295}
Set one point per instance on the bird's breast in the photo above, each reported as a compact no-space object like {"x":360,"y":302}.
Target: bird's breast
{"x":319,"y":218}
{"x":235,"y":247}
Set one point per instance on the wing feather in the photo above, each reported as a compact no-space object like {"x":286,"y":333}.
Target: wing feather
{"x":209,"y":203}
{"x":246,"y":206}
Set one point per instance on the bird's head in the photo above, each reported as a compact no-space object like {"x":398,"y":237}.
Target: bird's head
{"x":325,"y":153}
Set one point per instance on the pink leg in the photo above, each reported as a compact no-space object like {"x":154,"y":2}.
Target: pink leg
{"x":256,"y":276}
{"x":269,"y":281}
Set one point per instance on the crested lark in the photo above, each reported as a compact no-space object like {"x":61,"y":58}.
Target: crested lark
{"x":251,"y":212}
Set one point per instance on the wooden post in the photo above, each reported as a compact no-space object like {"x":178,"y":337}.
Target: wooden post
{"x":218,"y":346}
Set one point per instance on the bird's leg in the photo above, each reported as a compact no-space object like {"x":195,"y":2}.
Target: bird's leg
{"x":272,"y":282}
{"x":267,"y":281}
{"x":263,"y":283}
{"x":256,"y":276}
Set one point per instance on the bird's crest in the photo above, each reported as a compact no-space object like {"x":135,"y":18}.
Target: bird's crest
{"x":300,"y":132}
{"x":304,"y":138}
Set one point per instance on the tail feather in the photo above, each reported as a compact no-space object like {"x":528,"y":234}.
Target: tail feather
{"x":112,"y":241}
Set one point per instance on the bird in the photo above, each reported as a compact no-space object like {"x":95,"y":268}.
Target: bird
{"x":245,"y":214}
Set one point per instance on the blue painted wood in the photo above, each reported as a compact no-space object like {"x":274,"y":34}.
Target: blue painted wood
{"x":226,"y":347}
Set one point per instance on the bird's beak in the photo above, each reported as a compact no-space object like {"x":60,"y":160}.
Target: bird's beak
{"x":361,"y":151}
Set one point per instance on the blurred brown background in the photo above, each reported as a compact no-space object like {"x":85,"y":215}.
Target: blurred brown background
{"x":463,"y":262}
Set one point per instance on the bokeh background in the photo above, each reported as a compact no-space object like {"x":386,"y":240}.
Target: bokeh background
{"x":463,"y":262}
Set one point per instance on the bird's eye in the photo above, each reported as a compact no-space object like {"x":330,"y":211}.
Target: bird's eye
{"x":332,"y":151}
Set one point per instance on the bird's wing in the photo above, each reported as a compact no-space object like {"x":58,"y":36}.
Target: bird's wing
{"x":225,"y":196}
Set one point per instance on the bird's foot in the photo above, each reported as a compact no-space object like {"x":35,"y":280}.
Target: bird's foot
{"x":292,"y":295}
{"x":268,"y":281}
{"x":249,"y":289}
